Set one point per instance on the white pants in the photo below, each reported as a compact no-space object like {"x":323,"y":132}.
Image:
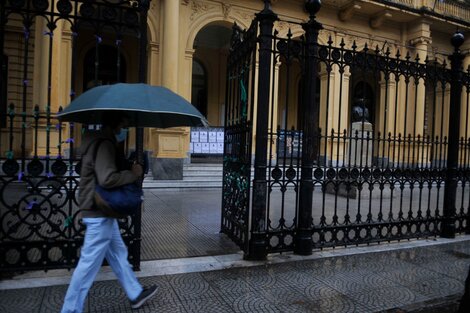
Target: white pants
{"x":102,"y":239}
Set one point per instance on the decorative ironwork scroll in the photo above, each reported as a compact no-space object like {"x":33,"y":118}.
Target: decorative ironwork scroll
{"x":361,"y":146}
{"x":238,"y":135}
{"x":39,"y":164}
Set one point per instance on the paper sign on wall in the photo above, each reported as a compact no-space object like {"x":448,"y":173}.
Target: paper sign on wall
{"x":212,"y":137}
{"x":194,"y":136}
{"x":213,"y":147}
{"x":220,"y":147}
{"x":220,"y":136}
{"x":197,"y":147}
{"x":205,"y":147}
{"x":202,"y":136}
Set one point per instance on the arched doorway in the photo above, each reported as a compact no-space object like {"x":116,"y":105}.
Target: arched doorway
{"x":199,"y":87}
{"x":211,"y":48}
{"x":363,"y":94}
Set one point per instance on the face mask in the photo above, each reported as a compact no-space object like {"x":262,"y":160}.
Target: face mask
{"x":122,"y":135}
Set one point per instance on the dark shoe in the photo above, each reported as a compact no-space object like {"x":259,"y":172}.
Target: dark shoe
{"x":146,"y":294}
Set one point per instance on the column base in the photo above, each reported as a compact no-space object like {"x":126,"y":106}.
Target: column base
{"x":257,"y":250}
{"x":303,"y":244}
{"x":167,"y":169}
{"x":448,"y":229}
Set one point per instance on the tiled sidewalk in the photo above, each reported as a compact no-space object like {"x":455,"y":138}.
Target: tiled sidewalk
{"x":369,"y":279}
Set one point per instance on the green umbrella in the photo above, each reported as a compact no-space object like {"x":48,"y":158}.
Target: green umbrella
{"x":145,"y":105}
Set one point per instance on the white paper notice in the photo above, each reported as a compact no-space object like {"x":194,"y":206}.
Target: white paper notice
{"x":194,"y":136}
{"x":213,"y":147}
{"x":205,"y":147}
{"x":212,"y":137}
{"x":197,"y":147}
{"x":202,"y":136}
{"x":220,"y":136}
{"x":220,"y":148}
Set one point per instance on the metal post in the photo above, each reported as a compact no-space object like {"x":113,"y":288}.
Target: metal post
{"x":258,"y":244}
{"x":144,"y":6}
{"x":448,"y":223}
{"x":310,"y":112}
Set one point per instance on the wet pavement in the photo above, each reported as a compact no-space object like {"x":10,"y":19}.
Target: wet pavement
{"x":183,"y":223}
{"x":200,"y":270}
{"x":404,"y":277}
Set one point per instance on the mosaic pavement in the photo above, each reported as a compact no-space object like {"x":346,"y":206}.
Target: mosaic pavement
{"x":371,"y":282}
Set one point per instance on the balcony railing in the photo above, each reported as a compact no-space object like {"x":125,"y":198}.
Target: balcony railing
{"x":456,"y":10}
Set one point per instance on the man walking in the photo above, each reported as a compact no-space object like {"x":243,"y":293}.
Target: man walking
{"x":102,"y":237}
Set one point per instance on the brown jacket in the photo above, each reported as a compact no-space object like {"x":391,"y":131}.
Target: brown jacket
{"x":105,"y":168}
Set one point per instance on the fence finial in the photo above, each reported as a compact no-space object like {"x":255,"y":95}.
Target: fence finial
{"x":312,"y":7}
{"x":457,"y":40}
{"x":267,"y":5}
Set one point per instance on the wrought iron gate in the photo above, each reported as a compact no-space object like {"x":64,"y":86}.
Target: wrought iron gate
{"x":43,"y":44}
{"x":369,"y":152}
{"x":241,"y":76}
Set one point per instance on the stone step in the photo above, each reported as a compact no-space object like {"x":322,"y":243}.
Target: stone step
{"x":172,"y":184}
{"x":203,"y":178}
{"x":195,"y":175}
{"x":205,"y":167}
{"x":202,"y":174}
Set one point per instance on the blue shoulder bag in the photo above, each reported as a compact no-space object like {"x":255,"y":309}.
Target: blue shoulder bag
{"x":119,"y":201}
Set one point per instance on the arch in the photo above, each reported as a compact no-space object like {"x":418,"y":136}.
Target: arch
{"x":152,"y":27}
{"x":208,"y":19}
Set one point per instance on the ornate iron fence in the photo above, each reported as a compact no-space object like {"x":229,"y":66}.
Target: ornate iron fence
{"x":368,"y":145}
{"x":39,"y":176}
{"x":241,"y":80}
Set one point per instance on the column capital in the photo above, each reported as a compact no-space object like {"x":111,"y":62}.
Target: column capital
{"x":153,"y":46}
{"x":422,"y":40}
{"x":419,"y":32}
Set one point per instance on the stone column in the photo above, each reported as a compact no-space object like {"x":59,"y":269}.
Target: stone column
{"x":336,"y":101}
{"x":170,"y":44}
{"x":41,"y":62}
{"x":154,"y":66}
{"x":59,"y":77}
{"x":465,"y":105}
{"x":170,"y":145}
{"x":186,"y":80}
{"x":420,"y":38}
{"x":274,"y":110}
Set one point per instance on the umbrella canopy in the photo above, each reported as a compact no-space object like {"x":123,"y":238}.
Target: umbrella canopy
{"x":146,"y":106}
